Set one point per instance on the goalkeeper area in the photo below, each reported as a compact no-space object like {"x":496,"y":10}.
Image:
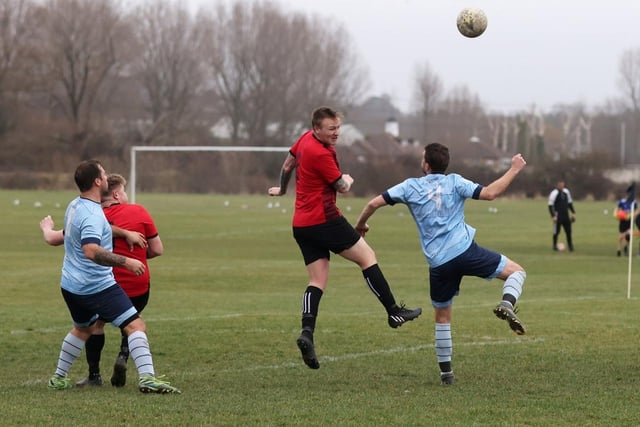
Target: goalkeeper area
{"x":224,"y":314}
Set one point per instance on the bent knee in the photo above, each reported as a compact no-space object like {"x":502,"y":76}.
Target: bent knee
{"x":135,"y":326}
{"x":510,"y":268}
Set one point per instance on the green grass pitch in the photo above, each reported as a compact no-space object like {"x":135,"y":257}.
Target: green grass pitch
{"x":225,"y":312}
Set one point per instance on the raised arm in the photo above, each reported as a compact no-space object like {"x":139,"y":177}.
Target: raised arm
{"x":51,"y":236}
{"x":285,"y":175}
{"x":499,"y":186}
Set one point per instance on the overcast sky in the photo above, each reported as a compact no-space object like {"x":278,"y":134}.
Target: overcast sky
{"x":540,"y":52}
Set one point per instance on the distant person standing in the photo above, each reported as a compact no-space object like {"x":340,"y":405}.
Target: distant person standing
{"x":622,"y":213}
{"x":560,"y":204}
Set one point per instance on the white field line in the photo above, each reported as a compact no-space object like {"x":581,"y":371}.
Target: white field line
{"x":395,"y":350}
{"x":352,"y":356}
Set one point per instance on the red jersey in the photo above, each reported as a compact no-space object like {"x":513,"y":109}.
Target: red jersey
{"x":317,"y":170}
{"x":131,"y":217}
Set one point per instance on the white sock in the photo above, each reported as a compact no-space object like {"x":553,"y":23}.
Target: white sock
{"x":71,"y":348}
{"x":444,"y":344}
{"x":513,"y":284}
{"x":141,"y":353}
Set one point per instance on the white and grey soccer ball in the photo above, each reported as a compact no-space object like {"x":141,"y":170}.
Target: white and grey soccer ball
{"x":472,"y":22}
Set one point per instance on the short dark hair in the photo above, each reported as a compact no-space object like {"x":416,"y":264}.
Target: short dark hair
{"x":86,"y":173}
{"x":321,"y":113}
{"x":437,"y":156}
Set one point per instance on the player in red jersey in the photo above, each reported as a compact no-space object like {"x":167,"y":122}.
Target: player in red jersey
{"x":131,"y":220}
{"x":320,"y":228}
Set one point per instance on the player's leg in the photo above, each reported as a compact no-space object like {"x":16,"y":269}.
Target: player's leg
{"x":567,"y":230}
{"x":485,"y":263}
{"x":556,"y":232}
{"x":316,"y":258}
{"x":619,"y":244}
{"x":141,"y":355}
{"x":318,"y":272}
{"x":75,"y":340}
{"x":93,"y":351}
{"x":363,"y":255}
{"x":444,"y":284}
{"x":119,"y":310}
{"x":514,"y":276}
{"x":119,"y":377}
{"x":70,"y":350}
{"x":443,"y":341}
{"x":623,"y":239}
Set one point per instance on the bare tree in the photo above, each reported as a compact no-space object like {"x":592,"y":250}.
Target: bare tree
{"x":576,"y":128}
{"x":13,"y":32}
{"x":300,"y":63}
{"x":499,"y":128}
{"x":270,"y":67}
{"x":166,"y":63}
{"x":428,"y":91}
{"x":329,"y":70}
{"x":269,"y":74}
{"x":629,"y":82}
{"x":227,"y":50}
{"x":464,"y":112}
{"x":76,"y":52}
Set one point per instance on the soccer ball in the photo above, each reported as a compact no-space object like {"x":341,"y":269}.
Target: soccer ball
{"x":472,"y":22}
{"x":560,"y":246}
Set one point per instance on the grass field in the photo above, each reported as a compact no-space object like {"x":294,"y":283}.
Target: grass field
{"x":225,"y":309}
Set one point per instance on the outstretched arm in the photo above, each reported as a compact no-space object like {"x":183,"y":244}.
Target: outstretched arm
{"x":499,"y":186}
{"x":361,"y":224}
{"x":56,"y":237}
{"x":285,"y":175}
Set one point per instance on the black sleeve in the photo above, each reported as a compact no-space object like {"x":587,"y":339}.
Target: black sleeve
{"x":387,"y":198}
{"x":476,"y":192}
{"x":552,"y":212}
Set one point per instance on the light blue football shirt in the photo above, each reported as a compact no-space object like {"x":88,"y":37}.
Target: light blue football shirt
{"x":436,"y":202}
{"x":85,"y":223}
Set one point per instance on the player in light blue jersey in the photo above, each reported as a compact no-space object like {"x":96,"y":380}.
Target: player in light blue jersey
{"x":89,"y":287}
{"x":436,"y":202}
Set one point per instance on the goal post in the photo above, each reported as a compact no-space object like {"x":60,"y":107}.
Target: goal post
{"x":227,"y":148}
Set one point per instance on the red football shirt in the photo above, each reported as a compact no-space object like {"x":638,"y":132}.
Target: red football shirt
{"x":317,"y":170}
{"x":131,"y":217}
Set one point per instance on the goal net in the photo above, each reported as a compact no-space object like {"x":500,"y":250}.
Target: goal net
{"x":207,"y":166}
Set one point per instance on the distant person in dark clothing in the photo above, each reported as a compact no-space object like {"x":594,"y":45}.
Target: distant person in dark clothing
{"x":560,"y":204}
{"x":622,"y":213}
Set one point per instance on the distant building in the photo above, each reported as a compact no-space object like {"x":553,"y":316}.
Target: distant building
{"x":392,"y":127}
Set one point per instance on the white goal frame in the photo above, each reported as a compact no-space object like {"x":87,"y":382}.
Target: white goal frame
{"x":228,"y":148}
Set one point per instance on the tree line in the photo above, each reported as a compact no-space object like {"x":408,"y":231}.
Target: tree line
{"x":90,"y":78}
{"x":80,"y":78}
